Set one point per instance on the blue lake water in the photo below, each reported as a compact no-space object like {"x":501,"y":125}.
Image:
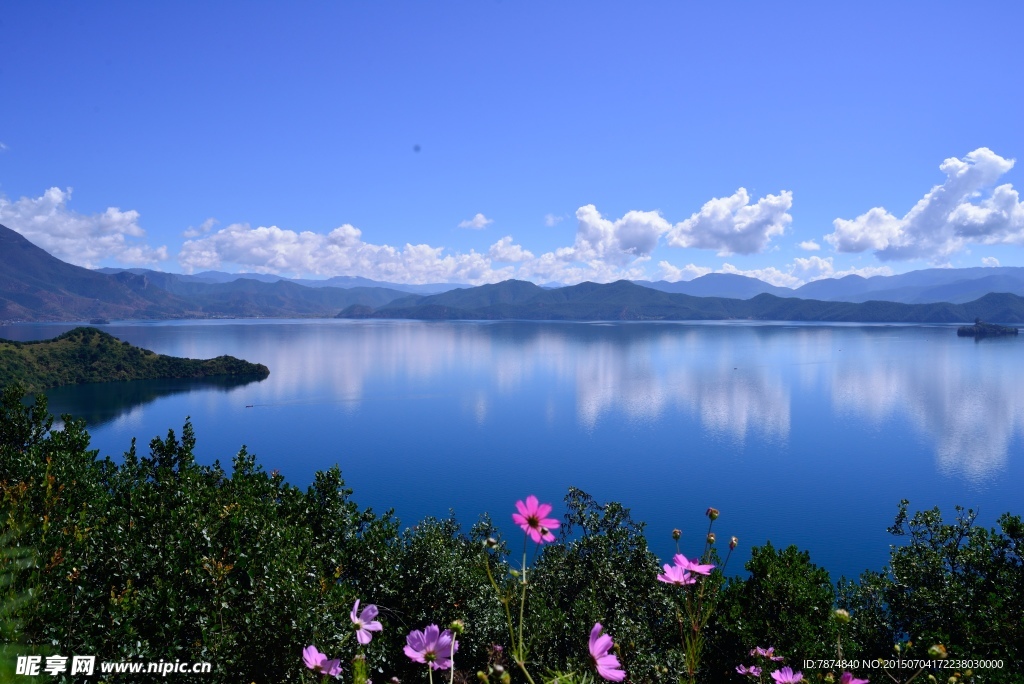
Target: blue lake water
{"x":801,"y":434}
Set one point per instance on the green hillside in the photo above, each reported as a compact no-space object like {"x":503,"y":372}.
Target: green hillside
{"x":626,"y":301}
{"x":89,"y":355}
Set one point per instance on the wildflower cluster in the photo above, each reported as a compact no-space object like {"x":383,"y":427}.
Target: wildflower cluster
{"x":701,"y":590}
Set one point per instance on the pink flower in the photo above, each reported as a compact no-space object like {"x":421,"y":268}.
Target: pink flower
{"x":607,"y":664}
{"x":531,"y":518}
{"x":318,"y":662}
{"x":364,"y":622}
{"x":676,"y":575}
{"x":431,"y":646}
{"x":768,"y":653}
{"x":848,"y":678}
{"x":787,"y":676}
{"x":753,"y":670}
{"x":692,"y":565}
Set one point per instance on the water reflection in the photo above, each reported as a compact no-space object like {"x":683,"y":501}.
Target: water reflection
{"x":104,"y":402}
{"x":737,"y":381}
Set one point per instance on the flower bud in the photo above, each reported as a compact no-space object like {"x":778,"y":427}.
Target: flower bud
{"x":937,"y":651}
{"x":951,"y":680}
{"x":733,"y":543}
{"x":897,"y":648}
{"x":491,"y":543}
{"x":712,"y":513}
{"x":932,"y":679}
{"x":482,"y":676}
{"x":711,"y":537}
{"x":514,"y":573}
{"x":842,"y":615}
{"x":498,"y":667}
{"x":457,"y":626}
{"x":677,"y":533}
{"x":506,"y":678}
{"x":830,"y":678}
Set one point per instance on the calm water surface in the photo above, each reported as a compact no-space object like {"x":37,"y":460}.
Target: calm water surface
{"x":801,"y":434}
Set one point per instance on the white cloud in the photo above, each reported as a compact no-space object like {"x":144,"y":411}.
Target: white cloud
{"x":989,"y":262}
{"x":80,"y":239}
{"x":3,"y":147}
{"x":809,"y":246}
{"x":614,"y":242}
{"x":948,"y":218}
{"x":342,"y":251}
{"x":504,"y":250}
{"x":674,"y":274}
{"x":733,"y":226}
{"x":204,"y":227}
{"x":478,"y":222}
{"x":550,"y":220}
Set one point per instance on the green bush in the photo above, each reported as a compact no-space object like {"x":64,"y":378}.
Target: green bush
{"x":159,"y":557}
{"x":786,"y":602}
{"x":955,"y":584}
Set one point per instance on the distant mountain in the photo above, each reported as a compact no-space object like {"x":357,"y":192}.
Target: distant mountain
{"x":932,"y":285}
{"x":728,"y":285}
{"x":627,"y":301}
{"x":955,"y":285}
{"x":35,"y":286}
{"x":343,"y":282}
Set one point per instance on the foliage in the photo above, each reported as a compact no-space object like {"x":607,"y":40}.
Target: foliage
{"x":786,"y":602}
{"x":159,"y":557}
{"x":89,"y":355}
{"x":957,"y":584}
{"x":601,"y":572}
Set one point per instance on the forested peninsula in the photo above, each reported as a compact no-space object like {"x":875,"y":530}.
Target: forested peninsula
{"x":87,"y":355}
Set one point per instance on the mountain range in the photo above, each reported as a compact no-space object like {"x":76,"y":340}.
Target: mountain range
{"x":35,"y":286}
{"x":625,"y":300}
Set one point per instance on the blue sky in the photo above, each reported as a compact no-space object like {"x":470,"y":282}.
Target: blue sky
{"x":472,"y":142}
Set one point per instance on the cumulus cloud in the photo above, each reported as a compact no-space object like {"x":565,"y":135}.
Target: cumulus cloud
{"x":478,"y":222}
{"x":989,"y":262}
{"x":504,"y":250}
{"x":618,"y":242}
{"x":550,"y":220}
{"x":674,"y":274}
{"x":85,"y":240}
{"x":949,"y":217}
{"x":204,"y":227}
{"x":809,"y":246}
{"x":732,"y":225}
{"x":342,"y":251}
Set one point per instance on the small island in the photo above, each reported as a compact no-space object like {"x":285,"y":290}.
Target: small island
{"x":85,"y":355}
{"x":982,"y":329}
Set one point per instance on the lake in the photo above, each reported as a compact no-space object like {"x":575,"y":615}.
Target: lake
{"x":798,"y":434}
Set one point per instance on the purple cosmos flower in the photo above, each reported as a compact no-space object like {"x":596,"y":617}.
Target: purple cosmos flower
{"x":431,"y":646}
{"x":318,"y":662}
{"x":768,"y":653}
{"x":676,"y":575}
{"x":753,"y":670}
{"x":692,"y":565}
{"x":364,"y":622}
{"x":787,"y":676}
{"x":848,"y":678}
{"x":531,"y":518}
{"x":606,"y":663}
